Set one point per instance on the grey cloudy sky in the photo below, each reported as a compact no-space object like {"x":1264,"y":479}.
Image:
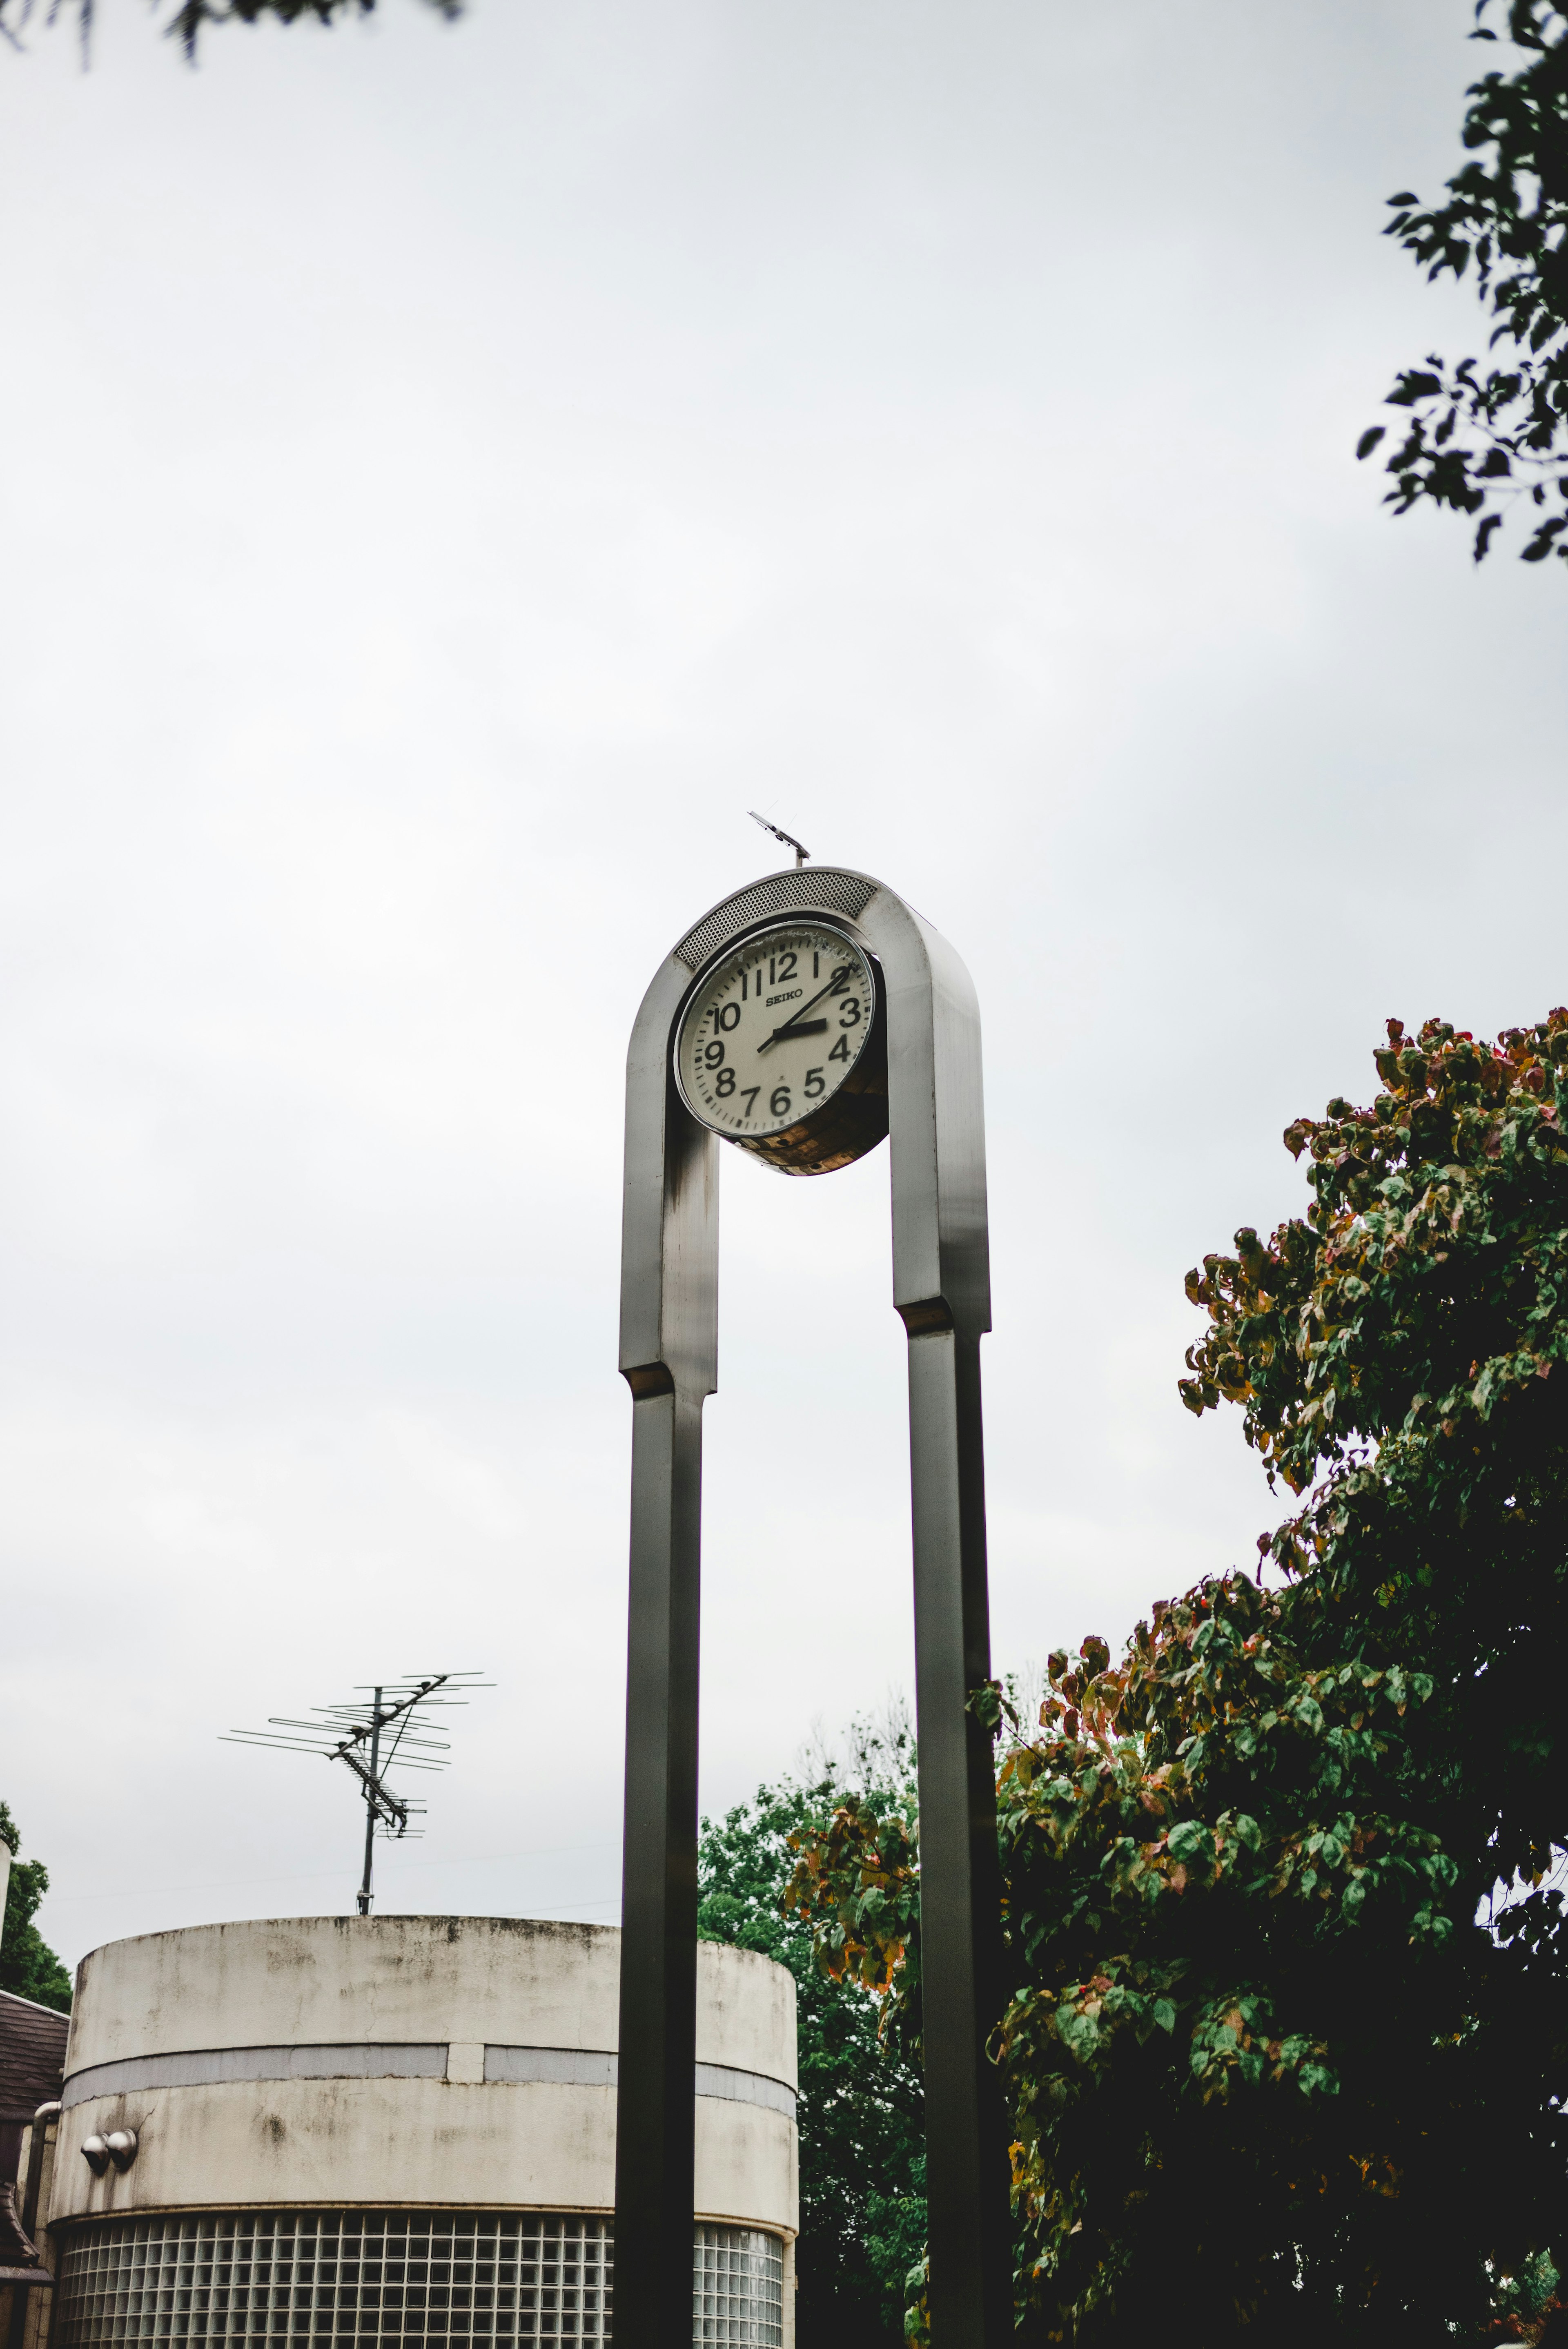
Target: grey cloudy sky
{"x":449,"y":474}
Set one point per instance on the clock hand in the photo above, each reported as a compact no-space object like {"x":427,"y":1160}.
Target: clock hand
{"x":793,"y":1026}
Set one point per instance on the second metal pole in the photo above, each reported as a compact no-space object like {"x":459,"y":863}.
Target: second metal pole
{"x":968,"y":2231}
{"x":654,"y":2141}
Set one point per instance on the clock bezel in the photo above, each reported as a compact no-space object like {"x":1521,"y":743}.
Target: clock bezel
{"x":853,"y":1119}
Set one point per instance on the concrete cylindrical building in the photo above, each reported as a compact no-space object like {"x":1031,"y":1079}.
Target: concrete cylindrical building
{"x":397,"y":2129}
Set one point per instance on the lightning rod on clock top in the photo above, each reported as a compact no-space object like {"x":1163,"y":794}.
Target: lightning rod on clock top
{"x":803,"y":1020}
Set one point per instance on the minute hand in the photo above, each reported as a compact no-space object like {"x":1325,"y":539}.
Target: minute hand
{"x":792,"y":1024}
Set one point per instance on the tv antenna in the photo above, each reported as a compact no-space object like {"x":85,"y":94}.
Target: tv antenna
{"x":787,"y":837}
{"x":391,"y":1732}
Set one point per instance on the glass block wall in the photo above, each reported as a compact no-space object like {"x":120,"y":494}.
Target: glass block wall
{"x":737,"y":2285}
{"x":463,"y":2278}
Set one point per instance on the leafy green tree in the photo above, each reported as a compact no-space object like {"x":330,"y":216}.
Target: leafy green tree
{"x":1287,"y":2043}
{"x":28,"y":1967}
{"x":1485,"y":435}
{"x":862,"y":2129}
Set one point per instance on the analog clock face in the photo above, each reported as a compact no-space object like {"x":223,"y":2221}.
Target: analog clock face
{"x":774,"y":1029}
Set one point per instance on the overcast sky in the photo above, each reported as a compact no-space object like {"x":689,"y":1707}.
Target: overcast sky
{"x":450,"y":474}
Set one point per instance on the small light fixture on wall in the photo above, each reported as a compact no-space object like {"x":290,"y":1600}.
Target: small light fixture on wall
{"x":119,"y":2147}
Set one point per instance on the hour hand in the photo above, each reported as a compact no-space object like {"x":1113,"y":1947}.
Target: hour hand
{"x":791,"y":1029}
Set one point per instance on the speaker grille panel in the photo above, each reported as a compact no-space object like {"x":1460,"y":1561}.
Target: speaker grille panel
{"x":787,"y":893}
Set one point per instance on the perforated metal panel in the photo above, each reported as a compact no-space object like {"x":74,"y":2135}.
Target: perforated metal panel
{"x":425,"y":2277}
{"x":786,"y":893}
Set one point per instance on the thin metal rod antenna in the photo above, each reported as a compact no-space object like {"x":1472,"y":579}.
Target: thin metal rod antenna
{"x":787,"y":837}
{"x":405,"y":1705}
{"x":370,"y":1810}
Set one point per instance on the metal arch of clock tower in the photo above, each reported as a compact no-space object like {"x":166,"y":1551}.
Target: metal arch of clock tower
{"x":669,"y":1316}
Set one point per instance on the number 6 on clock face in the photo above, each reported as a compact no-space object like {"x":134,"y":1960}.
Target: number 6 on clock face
{"x":781,"y":1050}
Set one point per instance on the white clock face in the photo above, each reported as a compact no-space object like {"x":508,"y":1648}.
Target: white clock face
{"x":774,"y":1030}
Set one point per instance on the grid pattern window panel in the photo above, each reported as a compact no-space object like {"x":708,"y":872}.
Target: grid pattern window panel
{"x":737,"y":2287}
{"x":459,"y":2278}
{"x":467,"y":2280}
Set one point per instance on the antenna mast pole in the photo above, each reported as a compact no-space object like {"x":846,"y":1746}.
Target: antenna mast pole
{"x":351,"y":1734}
{"x":370,"y":1807}
{"x":787,"y":838}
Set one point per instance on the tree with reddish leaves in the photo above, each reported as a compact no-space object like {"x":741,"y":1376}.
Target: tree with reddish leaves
{"x":1286,"y":2044}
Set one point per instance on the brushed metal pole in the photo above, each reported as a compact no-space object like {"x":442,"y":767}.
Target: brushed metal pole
{"x":960,"y":1898}
{"x":941,"y":1291}
{"x":655,"y":2106}
{"x":669,"y":1350}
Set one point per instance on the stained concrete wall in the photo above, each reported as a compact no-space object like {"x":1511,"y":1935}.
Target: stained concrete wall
{"x":505,"y":1980}
{"x":402,"y":2018}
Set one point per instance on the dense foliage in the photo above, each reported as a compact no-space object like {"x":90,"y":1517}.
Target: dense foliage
{"x":1482,"y":436}
{"x":1288,"y":2042}
{"x":862,"y":2146}
{"x":28,"y":1967}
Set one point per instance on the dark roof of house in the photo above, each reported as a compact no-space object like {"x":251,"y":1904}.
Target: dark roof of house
{"x":32,"y":2055}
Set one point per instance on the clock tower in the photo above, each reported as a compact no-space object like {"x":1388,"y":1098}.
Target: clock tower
{"x":804,"y":1019}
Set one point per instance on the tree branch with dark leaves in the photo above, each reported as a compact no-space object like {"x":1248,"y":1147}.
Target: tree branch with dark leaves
{"x":185,"y":20}
{"x":1483,"y":437}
